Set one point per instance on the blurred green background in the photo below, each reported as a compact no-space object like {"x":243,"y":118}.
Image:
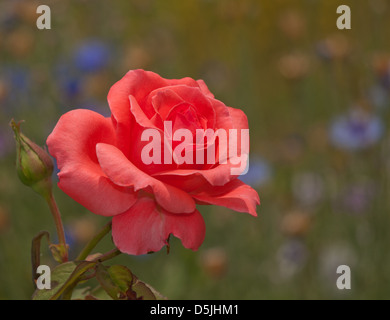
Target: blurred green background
{"x":317,"y":99}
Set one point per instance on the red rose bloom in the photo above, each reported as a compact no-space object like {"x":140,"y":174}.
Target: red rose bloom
{"x":101,"y":164}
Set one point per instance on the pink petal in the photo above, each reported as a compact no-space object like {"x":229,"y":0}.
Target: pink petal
{"x":239,"y":118}
{"x":223,"y":120}
{"x":164,"y":100}
{"x":139,"y":114}
{"x":218,"y":176}
{"x":146,"y":228}
{"x":137,"y":83}
{"x":201,"y":103}
{"x":72,"y":143}
{"x":123,"y":173}
{"x":203,"y":87}
{"x":235,"y":195}
{"x":140,"y":84}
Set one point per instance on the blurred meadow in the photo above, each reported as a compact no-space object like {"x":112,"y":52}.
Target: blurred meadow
{"x":317,"y":100}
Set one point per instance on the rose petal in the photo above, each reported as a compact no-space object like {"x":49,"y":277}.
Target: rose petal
{"x":72,"y":143}
{"x":235,"y":195}
{"x":146,"y":228}
{"x":217,"y":176}
{"x":203,"y":87}
{"x":239,"y":118}
{"x":201,"y":103}
{"x":140,"y":84}
{"x":164,"y":100}
{"x":123,"y":173}
{"x":139,"y":114}
{"x":137,"y":83}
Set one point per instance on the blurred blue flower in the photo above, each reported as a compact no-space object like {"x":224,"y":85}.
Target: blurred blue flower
{"x":291,"y":256}
{"x":69,"y":237}
{"x":384,"y":79}
{"x":69,"y":81}
{"x":16,"y":76}
{"x":17,"y":81}
{"x":8,"y":21}
{"x":56,"y":171}
{"x":357,"y":199}
{"x":356,"y":130}
{"x":259,"y":172}
{"x":333,"y":47}
{"x":72,"y":87}
{"x":92,"y":56}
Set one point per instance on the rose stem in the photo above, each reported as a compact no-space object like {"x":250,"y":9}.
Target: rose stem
{"x":58,"y":222}
{"x":94,"y":241}
{"x":108,"y":255}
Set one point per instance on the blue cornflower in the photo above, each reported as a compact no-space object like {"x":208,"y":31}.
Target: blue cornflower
{"x":356,"y":130}
{"x":259,"y":172}
{"x":92,"y":56}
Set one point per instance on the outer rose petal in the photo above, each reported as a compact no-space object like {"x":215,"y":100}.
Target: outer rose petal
{"x":217,"y":176}
{"x":123,"y":173}
{"x":145,"y":228}
{"x":72,"y":143}
{"x":205,"y":89}
{"x":137,"y":83}
{"x":239,"y":118}
{"x":235,"y":195}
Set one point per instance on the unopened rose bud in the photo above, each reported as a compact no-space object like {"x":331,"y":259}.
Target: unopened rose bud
{"x":34,"y":165}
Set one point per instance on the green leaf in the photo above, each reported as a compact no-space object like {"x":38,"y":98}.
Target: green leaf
{"x":87,"y":293}
{"x":81,"y":293}
{"x":59,"y":275}
{"x":115,"y":280}
{"x":120,"y":284}
{"x":81,"y":268}
{"x":100,"y":294}
{"x":121,"y":276}
{"x":143,"y":291}
{"x":157,"y":295}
